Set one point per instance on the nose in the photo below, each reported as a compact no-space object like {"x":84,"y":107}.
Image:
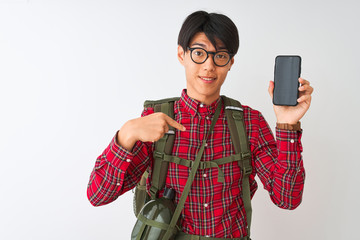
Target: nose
{"x":209,"y":64}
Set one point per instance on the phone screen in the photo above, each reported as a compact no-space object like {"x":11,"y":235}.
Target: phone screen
{"x":286,"y":83}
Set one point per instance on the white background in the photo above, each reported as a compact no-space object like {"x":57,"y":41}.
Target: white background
{"x":72,"y":72}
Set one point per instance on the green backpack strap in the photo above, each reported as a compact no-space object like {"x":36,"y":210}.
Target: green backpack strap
{"x":163,"y":145}
{"x":235,"y":118}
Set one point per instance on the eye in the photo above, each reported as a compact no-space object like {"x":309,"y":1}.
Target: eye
{"x":222,"y":55}
{"x":198,"y":53}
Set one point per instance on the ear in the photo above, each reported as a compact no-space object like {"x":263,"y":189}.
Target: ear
{"x":231,"y":62}
{"x":181,"y":54}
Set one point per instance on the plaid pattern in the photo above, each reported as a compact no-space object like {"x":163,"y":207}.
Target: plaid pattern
{"x":212,"y":209}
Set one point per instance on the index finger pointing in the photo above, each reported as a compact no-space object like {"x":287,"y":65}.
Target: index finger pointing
{"x":174,"y":124}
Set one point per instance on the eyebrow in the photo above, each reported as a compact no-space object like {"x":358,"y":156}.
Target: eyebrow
{"x":204,"y":46}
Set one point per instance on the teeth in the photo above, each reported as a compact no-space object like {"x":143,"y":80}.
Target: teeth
{"x":208,"y":79}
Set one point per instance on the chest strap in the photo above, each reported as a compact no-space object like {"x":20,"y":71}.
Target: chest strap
{"x":202,"y":164}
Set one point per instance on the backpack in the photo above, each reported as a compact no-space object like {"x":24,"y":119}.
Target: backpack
{"x":163,"y":150}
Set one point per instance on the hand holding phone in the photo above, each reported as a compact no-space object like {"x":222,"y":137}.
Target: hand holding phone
{"x":285,"y":90}
{"x":286,"y":80}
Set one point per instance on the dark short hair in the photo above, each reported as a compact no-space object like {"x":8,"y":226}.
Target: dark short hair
{"x":214,"y":26}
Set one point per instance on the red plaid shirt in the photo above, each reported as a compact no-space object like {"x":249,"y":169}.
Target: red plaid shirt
{"x":212,"y":208}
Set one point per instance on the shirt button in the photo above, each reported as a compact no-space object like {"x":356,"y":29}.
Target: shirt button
{"x":204,"y":175}
{"x":118,"y":184}
{"x":207,"y":236}
{"x":206,"y":205}
{"x":206,"y":144}
{"x":201,"y":105}
{"x":292,"y":140}
{"x":208,"y":118}
{"x":128,"y":160}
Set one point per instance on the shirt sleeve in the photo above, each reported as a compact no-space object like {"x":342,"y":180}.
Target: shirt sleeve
{"x":118,"y":170}
{"x":279,"y":164}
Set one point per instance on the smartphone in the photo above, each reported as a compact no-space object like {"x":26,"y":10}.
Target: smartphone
{"x":286,"y":80}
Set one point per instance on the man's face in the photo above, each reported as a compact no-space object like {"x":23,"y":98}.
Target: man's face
{"x":203,"y":80}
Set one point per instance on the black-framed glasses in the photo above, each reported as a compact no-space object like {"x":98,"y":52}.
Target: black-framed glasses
{"x":200,"y":55}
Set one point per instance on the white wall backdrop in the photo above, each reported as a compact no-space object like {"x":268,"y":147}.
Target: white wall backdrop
{"x":72,"y":72}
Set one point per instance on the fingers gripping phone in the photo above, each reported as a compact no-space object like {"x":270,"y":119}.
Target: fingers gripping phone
{"x":286,"y":80}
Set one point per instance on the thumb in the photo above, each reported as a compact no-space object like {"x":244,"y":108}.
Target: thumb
{"x":271,"y":88}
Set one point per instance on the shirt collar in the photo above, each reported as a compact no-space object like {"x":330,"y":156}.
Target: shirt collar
{"x":196,"y":107}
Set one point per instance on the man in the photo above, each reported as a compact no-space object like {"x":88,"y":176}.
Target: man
{"x":206,"y":46}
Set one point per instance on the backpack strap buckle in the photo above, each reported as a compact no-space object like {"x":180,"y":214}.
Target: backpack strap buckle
{"x":247,"y":170}
{"x":245,"y":155}
{"x":158,"y":154}
{"x":153,"y":192}
{"x":246,"y":163}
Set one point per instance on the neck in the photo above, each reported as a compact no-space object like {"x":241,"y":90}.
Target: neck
{"x":205,"y":99}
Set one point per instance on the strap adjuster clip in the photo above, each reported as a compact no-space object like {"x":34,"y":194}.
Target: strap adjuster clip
{"x":246,"y":155}
{"x":153,"y":192}
{"x":247,"y":170}
{"x":159,"y":154}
